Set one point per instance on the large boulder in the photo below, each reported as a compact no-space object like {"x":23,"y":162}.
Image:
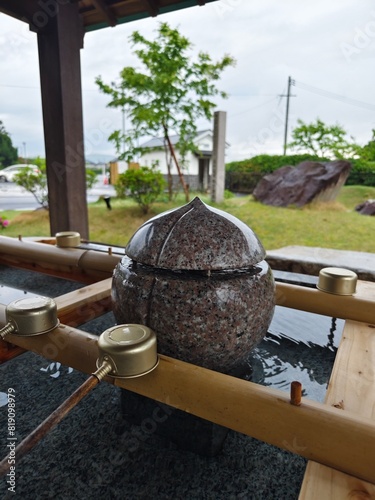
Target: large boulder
{"x":366,"y":208}
{"x":309,"y":181}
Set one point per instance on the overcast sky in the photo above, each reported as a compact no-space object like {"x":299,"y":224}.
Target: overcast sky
{"x":327,"y":47}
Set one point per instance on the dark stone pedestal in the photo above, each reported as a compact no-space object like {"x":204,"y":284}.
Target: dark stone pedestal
{"x":187,"y":431}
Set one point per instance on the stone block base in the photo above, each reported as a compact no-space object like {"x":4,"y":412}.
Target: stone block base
{"x":187,"y":431}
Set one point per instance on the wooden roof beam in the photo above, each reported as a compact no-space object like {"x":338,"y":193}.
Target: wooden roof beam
{"x":106,"y":11}
{"x":153,"y":7}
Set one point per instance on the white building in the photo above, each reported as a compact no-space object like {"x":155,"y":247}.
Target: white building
{"x":197,"y":166}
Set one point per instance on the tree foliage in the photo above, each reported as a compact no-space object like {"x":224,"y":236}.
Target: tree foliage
{"x":322,"y":140}
{"x":243,"y":176}
{"x":367,"y":152}
{"x":8,"y":153}
{"x":144,"y":185}
{"x":36,"y":183}
{"x":265,"y":164}
{"x":169,"y":93}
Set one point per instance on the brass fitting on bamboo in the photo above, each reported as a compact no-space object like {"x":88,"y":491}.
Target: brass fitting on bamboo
{"x":30,"y":316}
{"x":103,"y":370}
{"x":130,"y":349}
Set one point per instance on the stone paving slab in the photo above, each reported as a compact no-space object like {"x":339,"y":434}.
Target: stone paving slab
{"x":310,"y":260}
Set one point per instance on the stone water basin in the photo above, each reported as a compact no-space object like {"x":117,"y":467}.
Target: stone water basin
{"x":197,"y":276}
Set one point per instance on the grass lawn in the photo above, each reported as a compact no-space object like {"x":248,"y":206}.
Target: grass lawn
{"x":332,"y":225}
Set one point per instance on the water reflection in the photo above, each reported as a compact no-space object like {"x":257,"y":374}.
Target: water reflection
{"x":299,"y":346}
{"x":8,"y":294}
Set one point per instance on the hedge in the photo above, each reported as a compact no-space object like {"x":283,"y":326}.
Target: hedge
{"x":243,"y":175}
{"x":362,"y":173}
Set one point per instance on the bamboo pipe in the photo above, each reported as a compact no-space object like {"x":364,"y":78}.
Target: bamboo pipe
{"x":333,"y":437}
{"x":74,"y":308}
{"x":72,"y":260}
{"x":82,"y":305}
{"x":359,"y":307}
{"x":69,"y":346}
{"x":52,"y":420}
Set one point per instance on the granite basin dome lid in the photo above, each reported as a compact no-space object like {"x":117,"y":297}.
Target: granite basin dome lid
{"x":195,"y":237}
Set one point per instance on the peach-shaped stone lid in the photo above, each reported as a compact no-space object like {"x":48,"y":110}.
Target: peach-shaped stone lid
{"x":195,"y":237}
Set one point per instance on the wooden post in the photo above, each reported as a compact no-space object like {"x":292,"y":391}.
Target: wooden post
{"x":59,"y":41}
{"x":113,"y":169}
{"x":218,"y":157}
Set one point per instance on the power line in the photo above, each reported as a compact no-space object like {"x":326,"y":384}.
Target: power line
{"x":255,"y":107}
{"x":18,"y":87}
{"x":337,"y":97}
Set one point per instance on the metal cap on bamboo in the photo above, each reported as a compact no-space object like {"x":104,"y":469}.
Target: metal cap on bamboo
{"x":337,"y":281}
{"x":130,"y":348}
{"x":32,"y":316}
{"x":68,"y":239}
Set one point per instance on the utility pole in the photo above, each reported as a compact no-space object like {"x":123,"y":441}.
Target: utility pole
{"x":288,"y":96}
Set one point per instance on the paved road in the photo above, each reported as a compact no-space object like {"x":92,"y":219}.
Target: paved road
{"x":13,"y":197}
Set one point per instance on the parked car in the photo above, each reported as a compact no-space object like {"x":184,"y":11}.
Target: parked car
{"x":7,"y":174}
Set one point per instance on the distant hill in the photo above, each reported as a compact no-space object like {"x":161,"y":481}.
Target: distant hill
{"x":99,"y":159}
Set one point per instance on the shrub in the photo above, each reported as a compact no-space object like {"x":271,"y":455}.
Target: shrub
{"x":91,"y":176}
{"x":144,"y":185}
{"x":362,"y":173}
{"x":243,"y":176}
{"x":3,"y":223}
{"x":265,"y":164}
{"x":36,"y":183}
{"x":228,"y":194}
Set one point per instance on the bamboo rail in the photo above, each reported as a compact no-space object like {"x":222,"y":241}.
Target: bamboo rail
{"x":87,"y":266}
{"x":330,"y":436}
{"x":74,"y":309}
{"x":358,"y":307}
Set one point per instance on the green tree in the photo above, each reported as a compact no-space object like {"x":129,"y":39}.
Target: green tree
{"x":322,"y":140}
{"x":36,"y":183}
{"x":367,"y":152}
{"x":169,"y":94}
{"x":8,"y":153}
{"x":143,"y":184}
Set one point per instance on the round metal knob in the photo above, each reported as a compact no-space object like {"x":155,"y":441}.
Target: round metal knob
{"x":68,"y":239}
{"x":31,"y":316}
{"x":337,"y":281}
{"x":130,"y":349}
